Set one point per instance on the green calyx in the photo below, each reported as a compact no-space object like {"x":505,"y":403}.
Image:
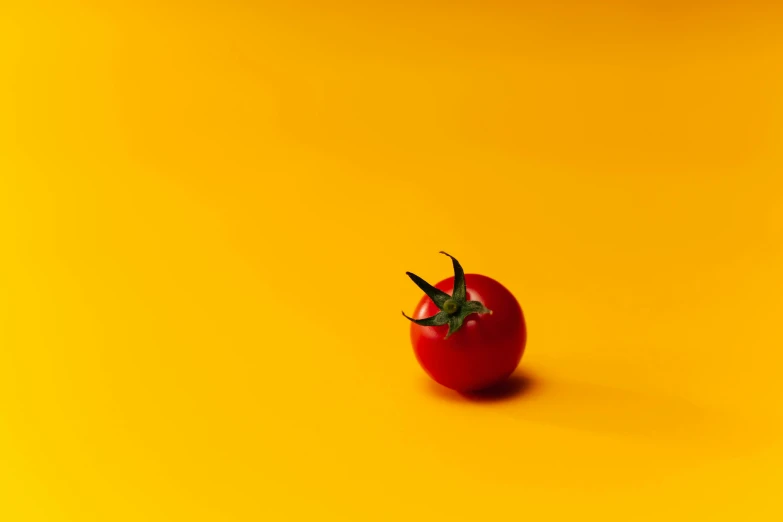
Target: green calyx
{"x":455,"y":308}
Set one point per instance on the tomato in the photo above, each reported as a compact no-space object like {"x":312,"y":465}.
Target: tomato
{"x":470,"y":335}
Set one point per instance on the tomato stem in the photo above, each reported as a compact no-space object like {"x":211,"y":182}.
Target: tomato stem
{"x":454,"y":308}
{"x":450,"y":307}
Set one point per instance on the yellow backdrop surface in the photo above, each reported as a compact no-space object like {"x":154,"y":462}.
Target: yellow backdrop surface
{"x":206,"y":214}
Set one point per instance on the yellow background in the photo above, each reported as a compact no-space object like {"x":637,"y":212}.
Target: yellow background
{"x":207,"y":210}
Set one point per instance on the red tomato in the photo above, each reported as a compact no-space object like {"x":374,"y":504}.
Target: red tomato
{"x":484,"y":348}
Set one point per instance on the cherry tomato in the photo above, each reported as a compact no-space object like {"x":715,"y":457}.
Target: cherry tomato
{"x":469,"y":336}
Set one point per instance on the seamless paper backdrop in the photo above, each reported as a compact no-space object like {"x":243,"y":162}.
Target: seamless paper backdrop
{"x":206,"y":214}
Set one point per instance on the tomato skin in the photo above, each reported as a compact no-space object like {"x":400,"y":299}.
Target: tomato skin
{"x":484,"y":351}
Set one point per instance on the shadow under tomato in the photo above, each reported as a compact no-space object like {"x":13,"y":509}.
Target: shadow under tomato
{"x":512,"y":388}
{"x":515,"y":386}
